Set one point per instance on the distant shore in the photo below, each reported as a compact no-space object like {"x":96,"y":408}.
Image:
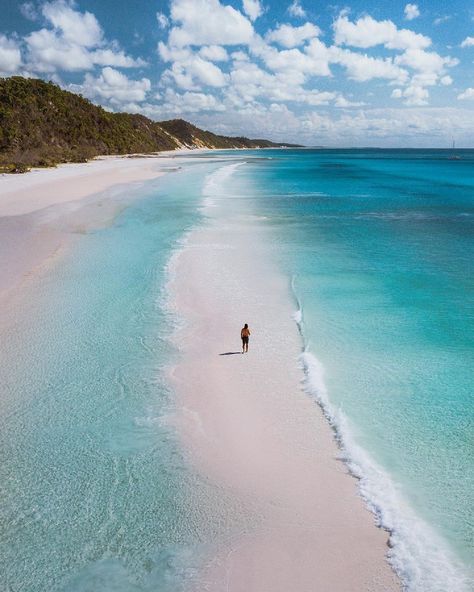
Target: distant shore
{"x":41,"y":188}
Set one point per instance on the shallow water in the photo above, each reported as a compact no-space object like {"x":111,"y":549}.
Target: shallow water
{"x":96,"y":494}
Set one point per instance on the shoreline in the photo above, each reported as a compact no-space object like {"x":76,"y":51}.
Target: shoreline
{"x":44,"y":211}
{"x":249,"y":428}
{"x":51,"y":186}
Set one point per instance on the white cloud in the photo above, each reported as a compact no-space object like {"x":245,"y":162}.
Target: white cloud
{"x":48,"y":52}
{"x":344,"y":103}
{"x":208,"y":22}
{"x":163,"y":20}
{"x":189,"y":70}
{"x":367,"y":32}
{"x":10,"y":55}
{"x":240,"y":56}
{"x":411,"y":12}
{"x":289,"y":36}
{"x":79,"y":28}
{"x":417,"y":126}
{"x":115,"y":87}
{"x":249,"y":82}
{"x":425,"y":61}
{"x":74,"y":42}
{"x":468,"y":94}
{"x":361,"y":67}
{"x":468,"y":42}
{"x":296,"y":63}
{"x":214,"y":53}
{"x":414,"y":95}
{"x":190,"y":102}
{"x":252,"y":8}
{"x":296,"y":10}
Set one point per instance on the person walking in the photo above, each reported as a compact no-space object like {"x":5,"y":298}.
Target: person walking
{"x":244,"y":335}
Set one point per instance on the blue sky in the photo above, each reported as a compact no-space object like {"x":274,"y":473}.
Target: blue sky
{"x":356,"y":73}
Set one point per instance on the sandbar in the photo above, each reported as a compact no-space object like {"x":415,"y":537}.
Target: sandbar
{"x":251,"y":430}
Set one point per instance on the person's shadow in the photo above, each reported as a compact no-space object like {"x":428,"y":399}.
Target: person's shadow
{"x":230,"y":353}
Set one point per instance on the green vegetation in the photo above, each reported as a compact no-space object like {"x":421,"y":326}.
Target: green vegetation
{"x":42,"y":125}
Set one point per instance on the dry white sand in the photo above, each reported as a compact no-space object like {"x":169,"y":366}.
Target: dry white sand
{"x":41,"y":188}
{"x":250,"y":429}
{"x":41,"y":212}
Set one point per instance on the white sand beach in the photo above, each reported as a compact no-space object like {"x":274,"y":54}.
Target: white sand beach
{"x":250,"y":428}
{"x":41,"y":188}
{"x":42,"y":211}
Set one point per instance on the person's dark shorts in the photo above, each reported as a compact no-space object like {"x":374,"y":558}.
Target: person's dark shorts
{"x":245,"y":340}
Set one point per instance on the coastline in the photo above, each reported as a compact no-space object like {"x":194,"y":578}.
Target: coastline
{"x":42,"y":212}
{"x":41,"y":188}
{"x":247,"y":425}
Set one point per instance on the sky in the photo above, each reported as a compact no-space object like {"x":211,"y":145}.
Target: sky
{"x":361,"y":73}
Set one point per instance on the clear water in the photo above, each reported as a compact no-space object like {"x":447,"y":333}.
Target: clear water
{"x":377,"y":247}
{"x":96,"y":494}
{"x":380,"y":246}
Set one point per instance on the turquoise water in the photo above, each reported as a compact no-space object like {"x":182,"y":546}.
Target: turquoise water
{"x":377,"y":248}
{"x":95,"y":492}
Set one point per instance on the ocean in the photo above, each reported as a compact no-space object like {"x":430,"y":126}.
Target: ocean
{"x":378,"y":246}
{"x":377,"y":249}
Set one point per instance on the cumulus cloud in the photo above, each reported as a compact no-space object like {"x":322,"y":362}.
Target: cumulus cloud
{"x":468,"y":42}
{"x":75,"y":27}
{"x":249,"y":82}
{"x":208,"y":22}
{"x":175,"y":103}
{"x":10,"y":55}
{"x":289,"y":36}
{"x":468,"y":94}
{"x":296,"y":64}
{"x":296,"y":10}
{"x":413,"y":95}
{"x":428,"y":67}
{"x":252,"y":8}
{"x":428,"y":63}
{"x":74,"y":41}
{"x":214,"y":53}
{"x":361,"y":67}
{"x":368,"y":32}
{"x":189,"y":70}
{"x":114,"y":86}
{"x":411,"y":12}
{"x":344,"y":103}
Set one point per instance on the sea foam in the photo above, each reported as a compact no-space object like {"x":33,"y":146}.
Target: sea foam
{"x":418,"y":555}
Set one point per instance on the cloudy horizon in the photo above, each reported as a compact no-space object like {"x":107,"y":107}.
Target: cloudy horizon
{"x":298,"y":71}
